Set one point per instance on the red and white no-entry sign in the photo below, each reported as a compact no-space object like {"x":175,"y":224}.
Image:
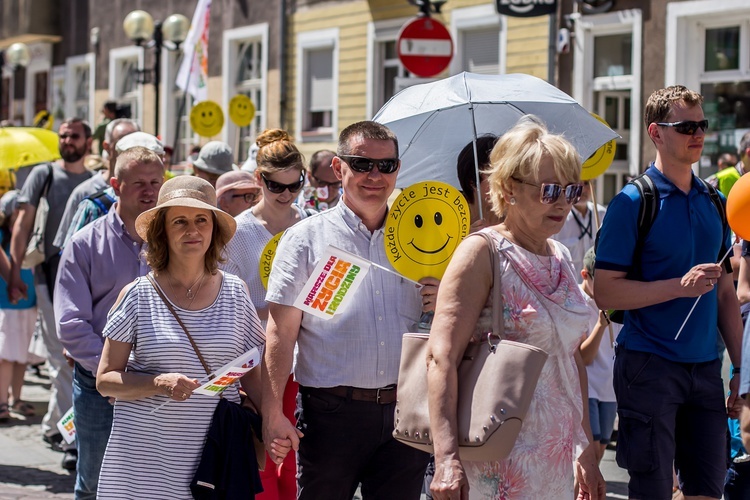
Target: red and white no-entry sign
{"x":425,"y":46}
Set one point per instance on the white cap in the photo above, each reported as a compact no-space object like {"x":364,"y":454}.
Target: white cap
{"x":141,"y":139}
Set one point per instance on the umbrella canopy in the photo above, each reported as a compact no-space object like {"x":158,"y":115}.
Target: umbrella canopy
{"x":434,"y":121}
{"x":23,"y":146}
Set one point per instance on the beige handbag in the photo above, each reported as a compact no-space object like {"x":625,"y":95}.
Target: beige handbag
{"x":496,"y":381}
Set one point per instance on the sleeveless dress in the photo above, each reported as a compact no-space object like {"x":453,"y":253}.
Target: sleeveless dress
{"x":154,"y":454}
{"x":541,"y":307}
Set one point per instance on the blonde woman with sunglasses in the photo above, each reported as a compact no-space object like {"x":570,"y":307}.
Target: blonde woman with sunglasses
{"x":534,"y":179}
{"x":281,"y":176}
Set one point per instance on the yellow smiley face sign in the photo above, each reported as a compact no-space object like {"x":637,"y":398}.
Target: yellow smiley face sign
{"x":207,"y":118}
{"x":424,"y":226}
{"x":266,"y":259}
{"x":602,"y":158}
{"x":241,"y":110}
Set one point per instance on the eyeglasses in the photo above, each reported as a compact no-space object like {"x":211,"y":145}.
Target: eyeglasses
{"x":278,"y":188}
{"x":363,"y":164}
{"x":549,"y":193}
{"x":322,"y":183}
{"x":248,"y":197}
{"x":686,"y":127}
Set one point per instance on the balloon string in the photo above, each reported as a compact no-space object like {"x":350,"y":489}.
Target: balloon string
{"x":697,"y":299}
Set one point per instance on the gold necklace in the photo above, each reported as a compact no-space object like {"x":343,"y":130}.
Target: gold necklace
{"x":190,"y":295}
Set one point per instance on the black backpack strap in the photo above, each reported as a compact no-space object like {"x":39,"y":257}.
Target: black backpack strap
{"x":713,"y":193}
{"x":647,"y":213}
{"x":103,"y":200}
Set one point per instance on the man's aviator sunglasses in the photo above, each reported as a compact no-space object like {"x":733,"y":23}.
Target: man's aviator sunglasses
{"x":550,"y":192}
{"x":363,"y":164}
{"x":686,"y":127}
{"x":278,"y":188}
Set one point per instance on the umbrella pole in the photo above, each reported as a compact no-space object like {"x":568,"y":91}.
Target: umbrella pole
{"x":476,"y":163}
{"x":598,"y":224}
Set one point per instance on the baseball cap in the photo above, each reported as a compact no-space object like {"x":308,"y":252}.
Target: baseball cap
{"x":141,"y":139}
{"x":216,"y":158}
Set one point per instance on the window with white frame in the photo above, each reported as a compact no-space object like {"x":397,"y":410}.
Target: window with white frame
{"x":317,"y":86}
{"x":607,"y":76}
{"x":479,"y":37}
{"x":79,"y":82}
{"x":246,"y":68}
{"x":708,"y":49}
{"x":124,"y":88}
{"x":385,"y":73}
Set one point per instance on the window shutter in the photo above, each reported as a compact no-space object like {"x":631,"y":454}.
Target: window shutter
{"x":320,"y":79}
{"x":481,"y":51}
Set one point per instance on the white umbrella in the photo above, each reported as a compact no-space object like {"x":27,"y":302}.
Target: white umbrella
{"x":434,"y":121}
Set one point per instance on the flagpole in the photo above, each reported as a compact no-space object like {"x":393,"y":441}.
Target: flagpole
{"x":183,"y":101}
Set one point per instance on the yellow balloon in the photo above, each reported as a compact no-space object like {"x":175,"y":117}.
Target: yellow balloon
{"x":241,"y":110}
{"x":599,"y":162}
{"x":266,"y":259}
{"x":44,"y":119}
{"x":207,"y":118}
{"x":424,"y":226}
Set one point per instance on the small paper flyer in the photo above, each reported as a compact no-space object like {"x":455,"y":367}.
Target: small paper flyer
{"x":66,"y":426}
{"x":332,"y":284}
{"x":229,"y":373}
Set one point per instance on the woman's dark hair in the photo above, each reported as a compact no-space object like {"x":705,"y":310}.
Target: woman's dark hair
{"x":467,"y":171}
{"x":157,"y":255}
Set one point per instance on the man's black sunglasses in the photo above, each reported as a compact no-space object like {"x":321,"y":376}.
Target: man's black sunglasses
{"x":278,"y":188}
{"x":364,"y":164}
{"x":686,"y":127}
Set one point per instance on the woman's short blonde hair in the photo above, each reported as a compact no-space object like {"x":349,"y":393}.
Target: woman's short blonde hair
{"x":277,"y":152}
{"x":519,"y":153}
{"x":157,"y":254}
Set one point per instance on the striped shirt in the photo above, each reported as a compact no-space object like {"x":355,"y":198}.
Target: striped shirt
{"x":155,"y":455}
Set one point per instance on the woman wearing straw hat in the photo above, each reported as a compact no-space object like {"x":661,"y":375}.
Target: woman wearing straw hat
{"x":148,"y":359}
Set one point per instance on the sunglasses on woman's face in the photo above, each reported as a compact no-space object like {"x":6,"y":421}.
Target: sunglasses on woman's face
{"x":550,"y":192}
{"x":686,"y":127}
{"x":278,"y":188}
{"x":364,"y":164}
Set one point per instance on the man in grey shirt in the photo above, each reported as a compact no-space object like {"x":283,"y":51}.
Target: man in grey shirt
{"x":66,"y":174}
{"x":347,"y":366}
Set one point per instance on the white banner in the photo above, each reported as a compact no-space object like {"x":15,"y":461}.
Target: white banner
{"x":332,"y":283}
{"x":192,"y":76}
{"x":229,"y":373}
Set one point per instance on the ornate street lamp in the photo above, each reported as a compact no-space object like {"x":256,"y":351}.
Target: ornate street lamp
{"x":139,"y":27}
{"x":14,"y":57}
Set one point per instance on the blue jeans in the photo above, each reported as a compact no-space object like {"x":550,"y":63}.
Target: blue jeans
{"x":93,"y":421}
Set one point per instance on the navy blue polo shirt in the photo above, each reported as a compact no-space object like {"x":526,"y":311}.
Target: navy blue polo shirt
{"x":687,"y":232}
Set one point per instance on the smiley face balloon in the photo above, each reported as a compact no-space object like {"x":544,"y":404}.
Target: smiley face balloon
{"x":424,"y":226}
{"x":207,"y":118}
{"x":241,"y":110}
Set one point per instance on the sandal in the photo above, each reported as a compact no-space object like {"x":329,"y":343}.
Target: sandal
{"x":24,"y":408}
{"x":4,"y":413}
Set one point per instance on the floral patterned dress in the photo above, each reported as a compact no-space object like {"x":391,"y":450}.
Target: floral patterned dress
{"x":542,"y":306}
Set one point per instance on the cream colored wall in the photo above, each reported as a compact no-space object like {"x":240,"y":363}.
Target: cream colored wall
{"x":527,"y":41}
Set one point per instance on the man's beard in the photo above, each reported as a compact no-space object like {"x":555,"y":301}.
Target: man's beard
{"x":72,"y":155}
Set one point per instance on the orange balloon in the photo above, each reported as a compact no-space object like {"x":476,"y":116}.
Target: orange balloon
{"x":738,"y":207}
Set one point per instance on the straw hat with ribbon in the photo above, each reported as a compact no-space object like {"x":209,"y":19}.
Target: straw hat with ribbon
{"x":186,"y":191}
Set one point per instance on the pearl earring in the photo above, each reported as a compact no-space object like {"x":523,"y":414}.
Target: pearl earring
{"x":512,"y":201}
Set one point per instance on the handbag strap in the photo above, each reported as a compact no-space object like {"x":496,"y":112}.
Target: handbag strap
{"x":498,"y":325}
{"x":174,"y":313}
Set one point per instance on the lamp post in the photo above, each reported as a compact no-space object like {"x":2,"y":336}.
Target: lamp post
{"x":14,"y":57}
{"x":139,"y":26}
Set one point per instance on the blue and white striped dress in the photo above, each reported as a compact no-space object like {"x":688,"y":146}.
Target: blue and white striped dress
{"x":155,"y":455}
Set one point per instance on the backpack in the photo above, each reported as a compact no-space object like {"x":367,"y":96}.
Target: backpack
{"x":102,"y":200}
{"x":647,"y":212}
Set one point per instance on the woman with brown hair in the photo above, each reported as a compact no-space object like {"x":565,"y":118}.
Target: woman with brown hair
{"x":148,"y":360}
{"x":281,"y":175}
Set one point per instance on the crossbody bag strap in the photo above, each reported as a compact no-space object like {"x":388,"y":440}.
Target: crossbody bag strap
{"x":498,"y":325}
{"x":174,"y":313}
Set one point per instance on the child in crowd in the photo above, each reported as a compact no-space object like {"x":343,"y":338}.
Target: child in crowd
{"x":599,"y":356}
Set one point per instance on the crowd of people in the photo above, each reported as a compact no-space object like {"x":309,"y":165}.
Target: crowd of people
{"x":152,"y":281}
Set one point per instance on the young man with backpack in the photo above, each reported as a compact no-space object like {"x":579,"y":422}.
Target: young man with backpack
{"x":669,"y":389}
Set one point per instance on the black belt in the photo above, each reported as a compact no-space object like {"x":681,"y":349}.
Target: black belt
{"x":382,"y":396}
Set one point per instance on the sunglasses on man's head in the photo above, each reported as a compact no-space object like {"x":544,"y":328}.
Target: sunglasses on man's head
{"x":686,"y":127}
{"x":550,"y":192}
{"x":278,"y":188}
{"x":363,"y":164}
